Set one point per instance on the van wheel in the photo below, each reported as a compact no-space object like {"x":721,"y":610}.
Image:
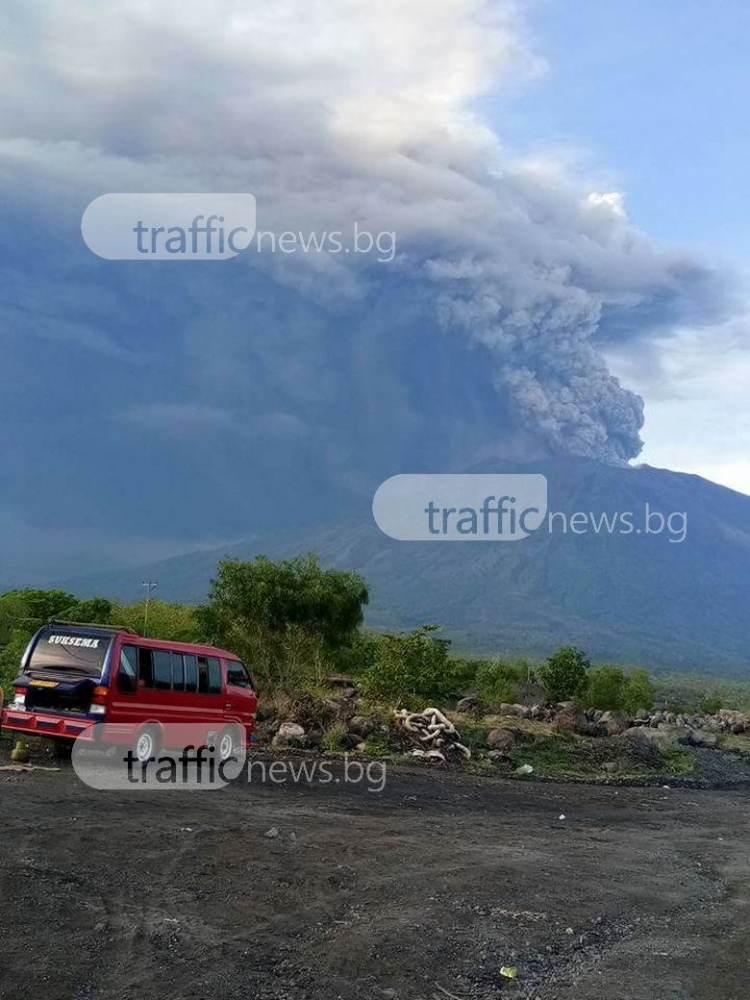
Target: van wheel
{"x":146,"y":744}
{"x":229,"y":744}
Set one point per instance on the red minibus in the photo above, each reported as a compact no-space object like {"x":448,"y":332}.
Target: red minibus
{"x":74,"y":677}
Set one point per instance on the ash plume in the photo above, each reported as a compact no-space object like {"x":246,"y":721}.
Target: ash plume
{"x":486,"y":328}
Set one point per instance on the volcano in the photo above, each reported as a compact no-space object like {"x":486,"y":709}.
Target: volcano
{"x":654,"y":599}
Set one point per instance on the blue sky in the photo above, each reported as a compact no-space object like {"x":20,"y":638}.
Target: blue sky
{"x":657,"y":93}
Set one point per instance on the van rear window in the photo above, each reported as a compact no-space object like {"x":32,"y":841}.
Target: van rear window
{"x":60,"y":649}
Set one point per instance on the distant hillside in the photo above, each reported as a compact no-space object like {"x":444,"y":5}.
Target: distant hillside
{"x":629,"y":599}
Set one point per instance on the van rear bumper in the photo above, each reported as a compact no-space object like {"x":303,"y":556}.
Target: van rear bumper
{"x":43,"y":724}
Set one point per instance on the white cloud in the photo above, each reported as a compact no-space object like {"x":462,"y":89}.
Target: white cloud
{"x":696,"y":384}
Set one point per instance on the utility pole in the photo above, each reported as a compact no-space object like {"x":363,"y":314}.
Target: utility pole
{"x":149,"y":585}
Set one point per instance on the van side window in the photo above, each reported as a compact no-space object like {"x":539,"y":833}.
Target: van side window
{"x":162,"y":670}
{"x":178,"y":672}
{"x":202,"y":675}
{"x":214,"y":676}
{"x":145,"y":667}
{"x":191,"y":673}
{"x":128,"y":673}
{"x":237,"y":675}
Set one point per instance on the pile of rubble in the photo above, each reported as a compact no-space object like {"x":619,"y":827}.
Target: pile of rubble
{"x":659,"y":727}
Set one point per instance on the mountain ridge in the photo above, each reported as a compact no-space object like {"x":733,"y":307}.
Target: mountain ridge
{"x":634,"y":599}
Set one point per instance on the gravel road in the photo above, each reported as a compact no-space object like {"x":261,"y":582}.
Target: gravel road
{"x":328,"y":891}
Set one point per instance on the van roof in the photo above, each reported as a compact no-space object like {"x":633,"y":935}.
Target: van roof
{"x":151,"y":643}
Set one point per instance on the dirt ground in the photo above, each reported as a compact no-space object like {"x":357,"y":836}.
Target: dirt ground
{"x":328,"y":891}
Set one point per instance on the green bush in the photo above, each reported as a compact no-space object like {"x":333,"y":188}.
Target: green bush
{"x":639,"y":691}
{"x":498,"y":681}
{"x":286,"y":619}
{"x":10,"y":660}
{"x":606,"y":689}
{"x":565,"y":674}
{"x":413,"y":666}
{"x":332,"y":739}
{"x":711,"y":704}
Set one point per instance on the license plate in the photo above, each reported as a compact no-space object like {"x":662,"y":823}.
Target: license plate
{"x":44,"y":684}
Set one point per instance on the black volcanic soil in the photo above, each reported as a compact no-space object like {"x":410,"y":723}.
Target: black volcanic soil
{"x":422,"y":891}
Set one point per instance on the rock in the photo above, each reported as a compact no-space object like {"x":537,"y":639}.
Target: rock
{"x":362,"y":725}
{"x":499,"y":756}
{"x":642,"y":715}
{"x":272,"y":833}
{"x":738,"y":728}
{"x":501,"y":739}
{"x":514,"y":710}
{"x":598,"y":715}
{"x":701,"y":738}
{"x":289,"y":734}
{"x":537,"y":712}
{"x":466,"y":705}
{"x":610,"y":767}
{"x":660,"y":738}
{"x":615,"y":723}
{"x":670,"y":718}
{"x":570,"y":717}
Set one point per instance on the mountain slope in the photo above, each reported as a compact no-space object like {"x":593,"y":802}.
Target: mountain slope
{"x":629,"y":598}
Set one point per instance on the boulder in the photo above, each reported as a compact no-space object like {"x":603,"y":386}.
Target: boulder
{"x":702,"y":738}
{"x":336,"y":709}
{"x":664,"y":736}
{"x":362,"y":726}
{"x":513,"y":710}
{"x":738,"y":728}
{"x":570,"y":717}
{"x":501,"y":739}
{"x":289,"y":734}
{"x":642,"y":715}
{"x":466,"y":705}
{"x":615,"y":723}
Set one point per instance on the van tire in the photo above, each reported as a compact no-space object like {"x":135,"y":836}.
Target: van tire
{"x":146,"y":744}
{"x":228,"y":744}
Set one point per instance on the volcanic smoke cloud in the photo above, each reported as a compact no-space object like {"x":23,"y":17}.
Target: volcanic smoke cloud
{"x":481,"y":337}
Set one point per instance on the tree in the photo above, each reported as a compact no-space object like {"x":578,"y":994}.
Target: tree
{"x":498,"y":681}
{"x":565,"y":674}
{"x":413,"y":665}
{"x":285,"y":618}
{"x":10,"y":659}
{"x":607,"y":689}
{"x":639,"y":691}
{"x":177,"y":622}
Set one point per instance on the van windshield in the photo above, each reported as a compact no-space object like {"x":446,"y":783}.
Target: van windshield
{"x":63,"y":650}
